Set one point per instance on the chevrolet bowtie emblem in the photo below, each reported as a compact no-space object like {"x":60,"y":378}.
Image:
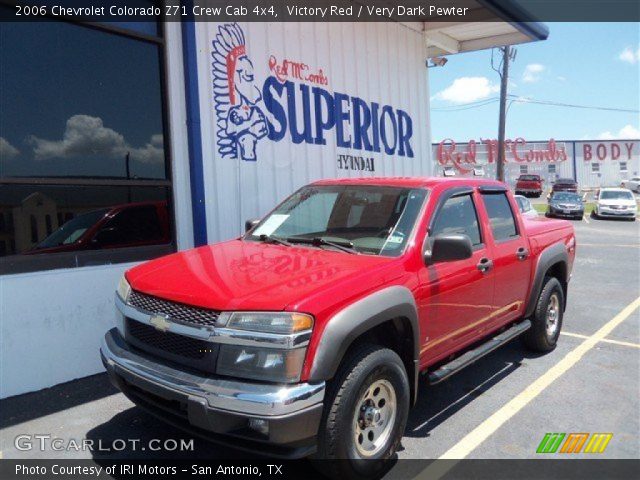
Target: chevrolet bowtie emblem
{"x":160,"y":322}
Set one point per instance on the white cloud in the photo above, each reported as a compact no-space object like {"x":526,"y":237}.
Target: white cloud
{"x":532,"y":72}
{"x":86,"y":136}
{"x":7,"y":150}
{"x":626,"y":132}
{"x":467,"y":89}
{"x":560,"y":78}
{"x":629,"y":55}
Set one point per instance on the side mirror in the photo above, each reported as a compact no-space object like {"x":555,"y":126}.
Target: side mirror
{"x":249,"y":224}
{"x":447,"y":248}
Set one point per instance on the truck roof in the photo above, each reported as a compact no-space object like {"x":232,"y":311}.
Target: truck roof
{"x":411,"y":182}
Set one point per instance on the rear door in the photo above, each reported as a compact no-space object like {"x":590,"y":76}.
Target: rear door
{"x":454,"y":298}
{"x":510,"y":254}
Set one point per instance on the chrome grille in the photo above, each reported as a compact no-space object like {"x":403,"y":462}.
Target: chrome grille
{"x":175,"y":311}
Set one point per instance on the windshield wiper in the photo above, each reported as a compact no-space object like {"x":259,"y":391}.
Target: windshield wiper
{"x":267,"y":239}
{"x":318,"y":241}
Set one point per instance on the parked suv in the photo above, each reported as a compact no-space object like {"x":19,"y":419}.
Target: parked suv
{"x":615,"y":203}
{"x":564,"y":185}
{"x":529,"y":185}
{"x":311,"y":333}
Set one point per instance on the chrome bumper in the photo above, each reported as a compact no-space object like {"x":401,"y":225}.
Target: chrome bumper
{"x":244,"y":398}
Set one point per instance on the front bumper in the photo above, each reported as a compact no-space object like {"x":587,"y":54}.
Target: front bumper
{"x":610,"y":212}
{"x":218,"y":408}
{"x":566,"y":212}
{"x":529,"y":190}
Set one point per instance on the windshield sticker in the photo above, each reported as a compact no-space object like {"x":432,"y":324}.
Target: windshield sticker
{"x":270,"y":225}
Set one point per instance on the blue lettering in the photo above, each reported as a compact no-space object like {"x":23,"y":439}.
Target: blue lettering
{"x":341,"y":115}
{"x":389,"y":147}
{"x":321,"y":125}
{"x":305,"y":135}
{"x":361,"y":124}
{"x":405,"y":131}
{"x":275,"y":108}
{"x":375,"y":127}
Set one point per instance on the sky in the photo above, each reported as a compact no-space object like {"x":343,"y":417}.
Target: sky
{"x":593,"y":64}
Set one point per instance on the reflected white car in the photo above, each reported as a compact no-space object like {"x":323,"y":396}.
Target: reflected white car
{"x":615,"y":202}
{"x":525,"y":207}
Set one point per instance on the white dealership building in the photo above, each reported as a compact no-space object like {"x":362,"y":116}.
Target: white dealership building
{"x":591,"y":163}
{"x":182,"y":131}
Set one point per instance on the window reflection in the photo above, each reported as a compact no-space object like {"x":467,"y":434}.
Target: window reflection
{"x":56,"y":219}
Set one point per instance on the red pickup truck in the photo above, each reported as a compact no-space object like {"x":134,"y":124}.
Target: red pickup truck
{"x":311,"y":333}
{"x":529,"y":185}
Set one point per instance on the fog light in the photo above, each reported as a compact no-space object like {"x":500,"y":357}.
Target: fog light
{"x":259,"y":425}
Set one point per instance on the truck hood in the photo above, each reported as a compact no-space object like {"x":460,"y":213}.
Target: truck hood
{"x":245,"y":275}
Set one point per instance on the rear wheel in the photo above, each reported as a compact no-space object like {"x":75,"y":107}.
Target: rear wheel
{"x":366,"y":411}
{"x":546,"y":321}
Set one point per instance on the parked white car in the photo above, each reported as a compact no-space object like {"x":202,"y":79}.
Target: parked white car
{"x":632,"y":184}
{"x":615,"y":202}
{"x":525,"y":207}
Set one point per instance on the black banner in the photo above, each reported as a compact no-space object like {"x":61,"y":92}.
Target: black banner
{"x":568,"y":469}
{"x":324,"y":10}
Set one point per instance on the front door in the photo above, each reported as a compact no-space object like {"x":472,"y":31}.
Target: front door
{"x":455,"y":298}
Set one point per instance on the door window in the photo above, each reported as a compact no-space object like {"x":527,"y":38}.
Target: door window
{"x":501,"y":219}
{"x":458,"y":216}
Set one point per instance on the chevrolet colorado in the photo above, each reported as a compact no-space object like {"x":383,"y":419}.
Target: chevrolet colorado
{"x":310,"y":333}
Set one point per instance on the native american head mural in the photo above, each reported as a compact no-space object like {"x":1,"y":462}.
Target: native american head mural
{"x":241,"y":123}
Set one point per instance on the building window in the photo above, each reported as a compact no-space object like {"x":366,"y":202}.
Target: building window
{"x":623,"y":167}
{"x":552,"y":168}
{"x":524,"y":169}
{"x":85,"y":149}
{"x":595,"y":167}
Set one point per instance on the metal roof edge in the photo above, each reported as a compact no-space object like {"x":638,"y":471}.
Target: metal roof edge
{"x":516,"y":15}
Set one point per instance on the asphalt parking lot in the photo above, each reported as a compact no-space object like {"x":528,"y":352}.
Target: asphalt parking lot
{"x":501,"y":407}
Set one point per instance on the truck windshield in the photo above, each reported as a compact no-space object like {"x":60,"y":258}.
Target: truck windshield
{"x":375,"y":220}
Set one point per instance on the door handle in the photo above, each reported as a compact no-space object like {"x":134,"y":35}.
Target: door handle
{"x":522,"y":253}
{"x":484,"y":265}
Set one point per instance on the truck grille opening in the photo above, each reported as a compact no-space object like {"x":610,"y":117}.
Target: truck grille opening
{"x":176,"y":311}
{"x":168,"y":342}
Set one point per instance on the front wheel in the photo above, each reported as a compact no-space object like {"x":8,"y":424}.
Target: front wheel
{"x":546,"y":321}
{"x":366,"y":411}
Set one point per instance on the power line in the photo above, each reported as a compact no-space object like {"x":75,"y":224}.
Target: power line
{"x":467,"y":106}
{"x":518,"y":99}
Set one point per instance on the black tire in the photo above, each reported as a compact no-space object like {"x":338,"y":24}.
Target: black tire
{"x":539,"y":338}
{"x":338,"y":454}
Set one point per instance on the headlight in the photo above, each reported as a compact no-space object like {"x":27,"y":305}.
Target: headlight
{"x":266,"y":364}
{"x":268,"y":322}
{"x":267,"y":346}
{"x":124,"y":289}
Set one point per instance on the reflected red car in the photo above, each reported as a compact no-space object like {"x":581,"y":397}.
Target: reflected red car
{"x":127,"y":225}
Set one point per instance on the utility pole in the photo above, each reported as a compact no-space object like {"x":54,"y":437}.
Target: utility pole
{"x":508,"y":55}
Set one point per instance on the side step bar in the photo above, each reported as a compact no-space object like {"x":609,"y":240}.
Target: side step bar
{"x":480,"y":351}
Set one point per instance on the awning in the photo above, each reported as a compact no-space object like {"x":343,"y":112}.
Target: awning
{"x":487,"y":24}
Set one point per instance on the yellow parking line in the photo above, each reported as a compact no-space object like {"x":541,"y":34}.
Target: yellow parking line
{"x":605,"y":340}
{"x":479,"y":434}
{"x":621,"y":245}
